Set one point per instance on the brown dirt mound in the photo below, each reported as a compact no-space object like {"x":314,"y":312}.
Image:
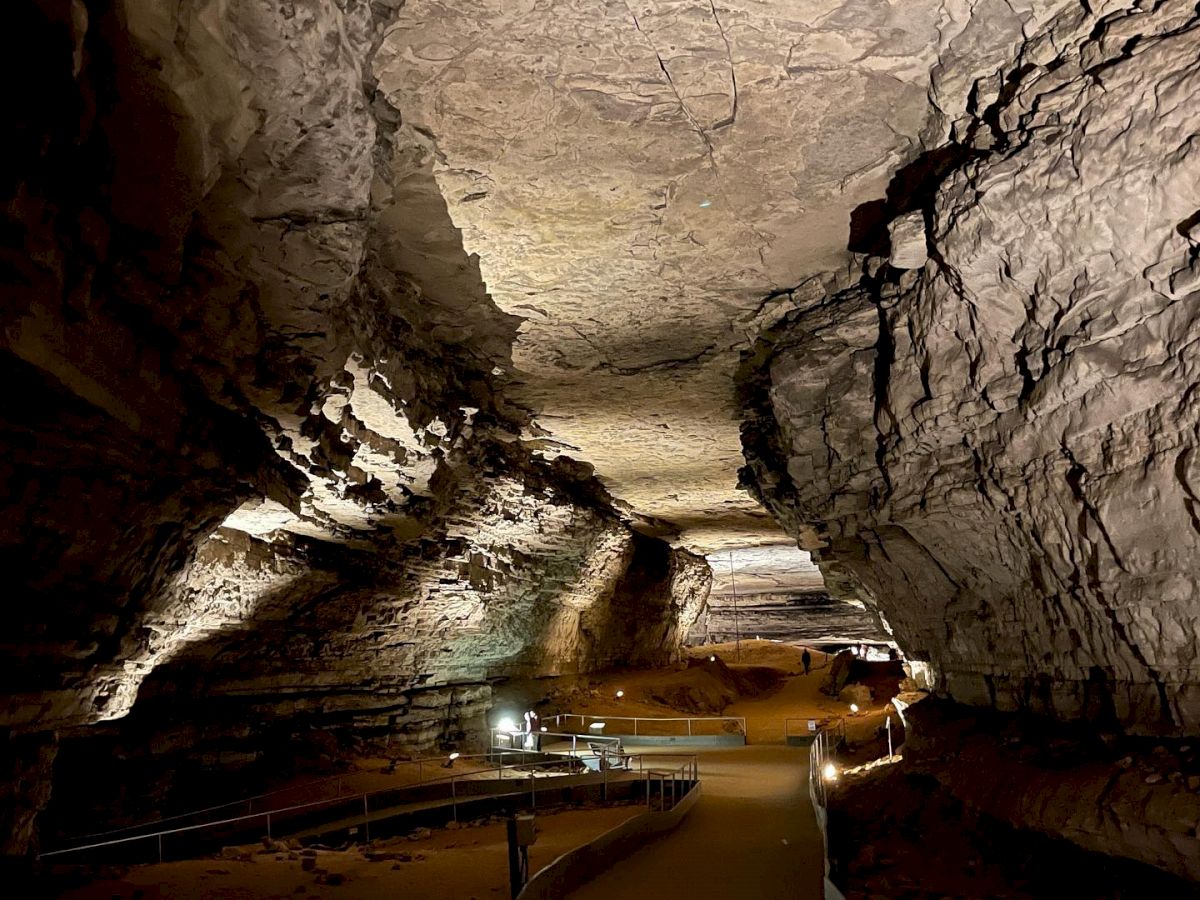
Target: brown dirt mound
{"x":707,"y":687}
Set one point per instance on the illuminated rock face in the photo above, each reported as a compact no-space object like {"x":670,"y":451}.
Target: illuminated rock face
{"x":234,"y":297}
{"x":647,"y":184}
{"x":1000,"y":445}
{"x":272,"y":446}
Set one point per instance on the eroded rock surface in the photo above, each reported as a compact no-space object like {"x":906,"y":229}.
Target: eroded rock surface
{"x":998,"y":448}
{"x":261,"y":442}
{"x":646,"y":184}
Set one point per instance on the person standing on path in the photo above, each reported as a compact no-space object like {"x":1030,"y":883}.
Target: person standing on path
{"x":806,"y":660}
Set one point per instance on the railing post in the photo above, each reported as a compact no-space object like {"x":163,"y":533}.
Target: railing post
{"x":454,"y":797}
{"x":689,"y":721}
{"x":366,"y":819}
{"x":532,"y":793}
{"x":635,"y":721}
{"x":647,"y":779}
{"x":160,"y":855}
{"x":604,"y":789}
{"x":420,"y":771}
{"x":269,"y":826}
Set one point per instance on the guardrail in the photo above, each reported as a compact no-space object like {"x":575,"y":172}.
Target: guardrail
{"x":830,"y":733}
{"x":540,"y":738}
{"x":336,"y":782}
{"x":583,"y":863}
{"x":300,"y":814}
{"x":810,"y":727}
{"x":695,"y":725}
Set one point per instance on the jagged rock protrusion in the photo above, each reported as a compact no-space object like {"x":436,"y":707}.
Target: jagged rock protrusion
{"x":999,"y":445}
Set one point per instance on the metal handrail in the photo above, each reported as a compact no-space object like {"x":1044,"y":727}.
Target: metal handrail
{"x":480,"y":775}
{"x":824,"y":723}
{"x":419,"y":763}
{"x":692,"y":766}
{"x":741,"y":720}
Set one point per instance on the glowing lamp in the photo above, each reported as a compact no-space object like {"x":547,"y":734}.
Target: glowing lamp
{"x":544,"y":729}
{"x":620,"y":694}
{"x":506,"y":724}
{"x":829,"y":773}
{"x":853,"y":707}
{"x":454,"y":755}
{"x":596,"y":726}
{"x":712,"y":659}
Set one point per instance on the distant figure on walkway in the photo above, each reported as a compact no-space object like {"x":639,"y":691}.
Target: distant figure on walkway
{"x":806,"y":659}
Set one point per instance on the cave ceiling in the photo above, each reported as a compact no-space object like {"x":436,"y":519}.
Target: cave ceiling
{"x":647,"y":185}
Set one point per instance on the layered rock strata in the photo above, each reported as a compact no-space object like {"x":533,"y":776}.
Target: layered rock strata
{"x":998,"y":446}
{"x":260,"y":444}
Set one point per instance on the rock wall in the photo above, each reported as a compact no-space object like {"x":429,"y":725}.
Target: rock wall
{"x":993,"y":434}
{"x":261,"y":395}
{"x":341,"y":651}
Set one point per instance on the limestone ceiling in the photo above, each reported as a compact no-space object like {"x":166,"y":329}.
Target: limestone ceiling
{"x":764,"y":569}
{"x":636,"y":179}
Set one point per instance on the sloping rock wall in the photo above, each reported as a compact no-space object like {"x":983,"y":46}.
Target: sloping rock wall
{"x":999,"y":446}
{"x":336,"y":647}
{"x":234,"y":300}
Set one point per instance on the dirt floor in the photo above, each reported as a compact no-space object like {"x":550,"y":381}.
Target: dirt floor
{"x":752,"y":806}
{"x":773,"y":689}
{"x":442,"y":864}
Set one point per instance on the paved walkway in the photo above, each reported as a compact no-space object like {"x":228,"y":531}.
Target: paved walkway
{"x":752,"y":835}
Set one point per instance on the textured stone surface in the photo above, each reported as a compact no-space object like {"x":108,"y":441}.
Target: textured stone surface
{"x":998,"y":448}
{"x":645,"y":183}
{"x":1131,"y":800}
{"x":233,"y":295}
{"x":328,"y":647}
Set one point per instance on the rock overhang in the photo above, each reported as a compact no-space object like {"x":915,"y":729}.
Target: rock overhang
{"x":645,"y":185}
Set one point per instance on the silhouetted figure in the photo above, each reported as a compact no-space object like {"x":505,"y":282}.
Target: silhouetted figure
{"x":806,"y":660}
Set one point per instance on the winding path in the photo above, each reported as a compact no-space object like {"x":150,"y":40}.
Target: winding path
{"x":751,"y":835}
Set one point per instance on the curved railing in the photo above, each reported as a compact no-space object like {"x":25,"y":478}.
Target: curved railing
{"x":316,"y":814}
{"x":339,"y":783}
{"x":656,"y":726}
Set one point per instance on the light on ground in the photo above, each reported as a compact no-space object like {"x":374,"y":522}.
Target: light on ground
{"x":597,"y":726}
{"x":830,"y":772}
{"x":544,"y":729}
{"x":712,"y":659}
{"x":620,"y":694}
{"x":454,"y":755}
{"x":853,"y":707}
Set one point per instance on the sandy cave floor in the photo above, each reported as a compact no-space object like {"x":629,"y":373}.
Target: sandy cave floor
{"x":455,"y":864}
{"x":790,"y":694}
{"x":765,"y":685}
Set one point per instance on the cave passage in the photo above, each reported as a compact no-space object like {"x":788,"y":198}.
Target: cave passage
{"x":818,"y":379}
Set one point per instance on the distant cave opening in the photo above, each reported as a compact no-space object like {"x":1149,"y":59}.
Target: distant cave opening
{"x":777,"y":592}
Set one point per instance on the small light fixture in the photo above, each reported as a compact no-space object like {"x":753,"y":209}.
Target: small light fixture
{"x":712,"y":658}
{"x":853,"y":708}
{"x":449,"y":763}
{"x":705,"y":204}
{"x":829,"y":773}
{"x":544,"y":729}
{"x":620,"y":694}
{"x":596,"y":726}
